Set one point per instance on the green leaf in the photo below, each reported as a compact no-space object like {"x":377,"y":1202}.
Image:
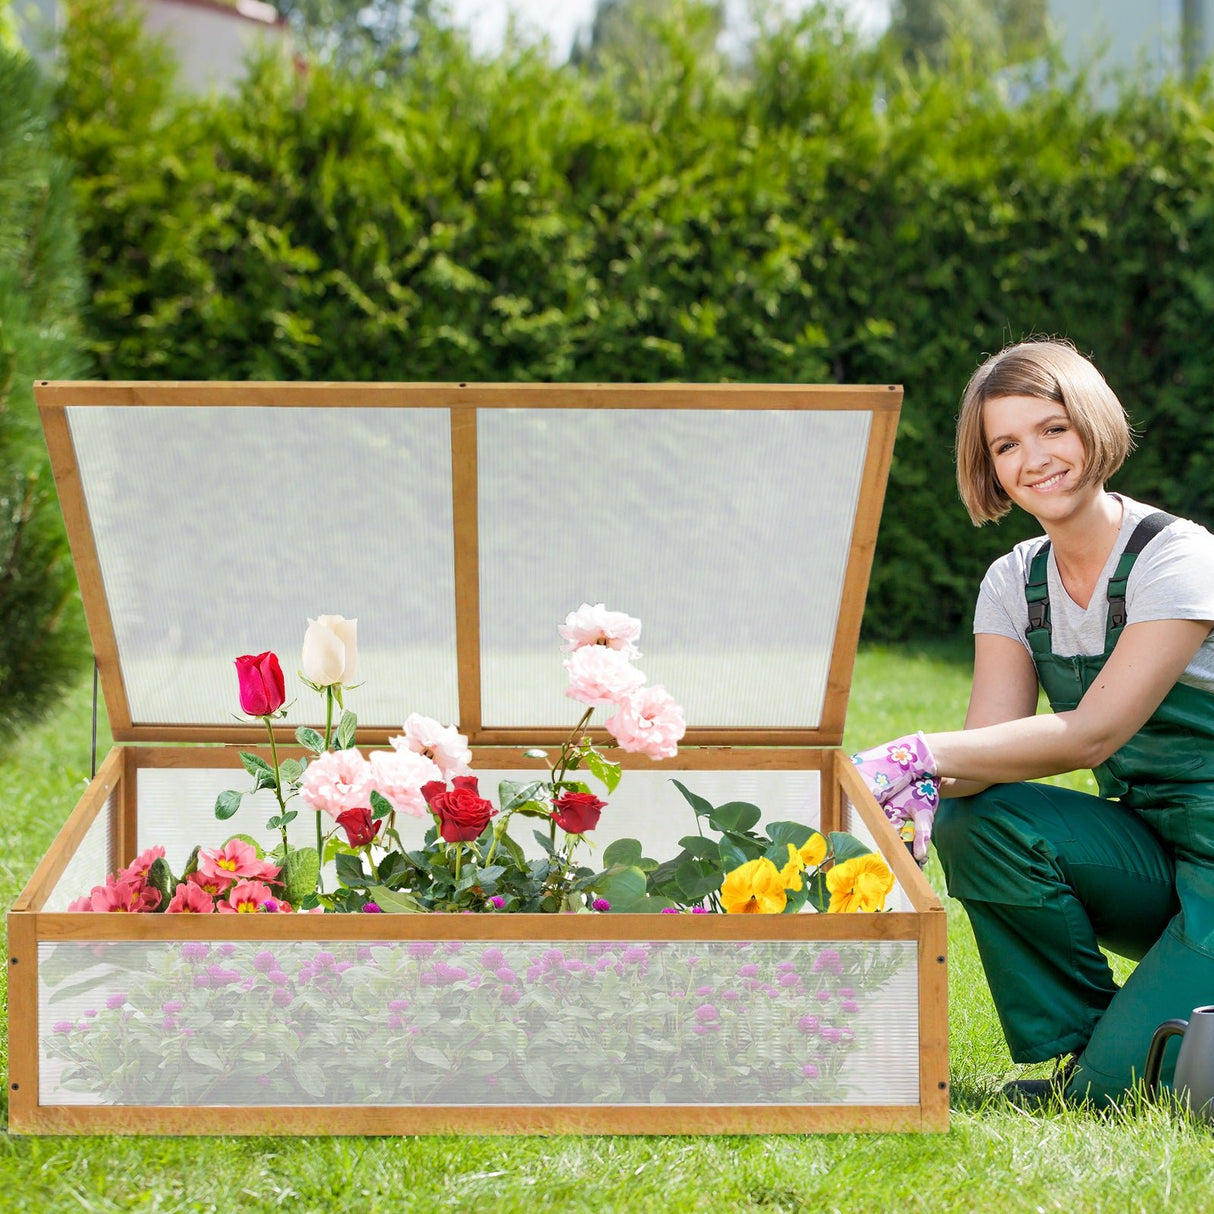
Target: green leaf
{"x":602,"y":768}
{"x":622,"y":887}
{"x":702,"y":807}
{"x":847,"y":847}
{"x":735,"y":815}
{"x":393,"y":901}
{"x":697,"y":880}
{"x":543,"y":840}
{"x":796,"y":833}
{"x":346,"y":728}
{"x":626,"y":852}
{"x":160,"y":877}
{"x":310,"y":739}
{"x":255,"y":765}
{"x":697,"y":845}
{"x":513,"y":793}
{"x":732,"y":856}
{"x":817,"y":893}
{"x":226,"y":804}
{"x":290,"y":770}
{"x":350,"y":871}
{"x":381,"y":807}
{"x":300,"y":874}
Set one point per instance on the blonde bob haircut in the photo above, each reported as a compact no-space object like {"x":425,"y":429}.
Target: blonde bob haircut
{"x":1049,"y":370}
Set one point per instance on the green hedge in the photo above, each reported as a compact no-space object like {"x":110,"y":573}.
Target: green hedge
{"x":818,"y":215}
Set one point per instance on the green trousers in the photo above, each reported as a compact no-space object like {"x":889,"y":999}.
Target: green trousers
{"x":1048,"y":876}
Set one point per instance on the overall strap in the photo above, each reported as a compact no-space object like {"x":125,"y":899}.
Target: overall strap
{"x":1142,"y":535}
{"x":1037,"y":596}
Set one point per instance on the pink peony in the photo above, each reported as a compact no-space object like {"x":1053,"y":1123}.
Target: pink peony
{"x":235,"y":859}
{"x":597,"y":626}
{"x":248,"y":897}
{"x":399,"y":775}
{"x":649,"y":722}
{"x":598,"y":675}
{"x":443,"y":745}
{"x":190,"y":899}
{"x":338,"y":780}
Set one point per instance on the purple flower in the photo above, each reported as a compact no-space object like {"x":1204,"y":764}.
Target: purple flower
{"x":493,"y":958}
{"x":278,"y":978}
{"x":748,"y":971}
{"x":601,"y":904}
{"x":421,"y":948}
{"x":265,"y":961}
{"x":372,"y":908}
{"x":226,"y":950}
{"x":732,"y":996}
{"x":706,"y":1012}
{"x":823,"y":996}
{"x":849,"y":1005}
{"x":171,"y":1007}
{"x":830,"y":1033}
{"x":809,"y":1071}
{"x":116,"y":1001}
{"x":195,"y":950}
{"x":505,"y":974}
{"x":510,"y":995}
{"x":846,"y":992}
{"x":282,"y":997}
{"x":634,"y":953}
{"x":830,"y":960}
{"x":497,"y":902}
{"x":809,"y":1024}
{"x":700,"y":910}
{"x":787,"y":979}
{"x":703,"y":990}
{"x":63,"y":1026}
{"x":670,"y":910}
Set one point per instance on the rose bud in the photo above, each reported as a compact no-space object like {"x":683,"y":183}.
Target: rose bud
{"x":577,"y":812}
{"x":262,"y":690}
{"x":359,"y":827}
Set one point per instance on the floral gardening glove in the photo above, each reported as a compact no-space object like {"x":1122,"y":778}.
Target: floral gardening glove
{"x":912,"y":812}
{"x":893,"y":767}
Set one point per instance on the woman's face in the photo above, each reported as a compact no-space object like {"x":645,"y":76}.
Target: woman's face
{"x":1037,"y":455}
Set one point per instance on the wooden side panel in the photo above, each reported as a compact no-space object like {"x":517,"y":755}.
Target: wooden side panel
{"x":464,"y":507}
{"x":48,"y":872}
{"x":509,"y":1119}
{"x":88,"y":565}
{"x":933,"y":1021}
{"x":22,"y":1021}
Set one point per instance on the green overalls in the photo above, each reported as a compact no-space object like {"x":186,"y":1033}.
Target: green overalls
{"x":1048,"y":874}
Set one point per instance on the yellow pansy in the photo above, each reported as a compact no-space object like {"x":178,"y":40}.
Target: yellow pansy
{"x":809,"y":855}
{"x":859,"y":884}
{"x":754,"y":888}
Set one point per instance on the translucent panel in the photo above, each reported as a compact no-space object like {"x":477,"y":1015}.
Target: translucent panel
{"x":88,"y":865}
{"x":898,"y":899}
{"x":175,"y":810}
{"x":476,"y":1023}
{"x":726,"y":532}
{"x":220,"y":531}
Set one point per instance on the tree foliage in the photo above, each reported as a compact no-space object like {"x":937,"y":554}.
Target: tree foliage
{"x":995,"y":32}
{"x":823,"y":215}
{"x":43,"y":645}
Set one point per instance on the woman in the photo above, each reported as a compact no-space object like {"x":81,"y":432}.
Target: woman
{"x":1111,"y":614}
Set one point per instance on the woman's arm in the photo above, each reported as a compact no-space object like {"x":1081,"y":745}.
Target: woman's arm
{"x":1005,"y":741}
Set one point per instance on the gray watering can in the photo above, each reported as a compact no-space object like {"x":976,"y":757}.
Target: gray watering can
{"x":1194,"y":1079}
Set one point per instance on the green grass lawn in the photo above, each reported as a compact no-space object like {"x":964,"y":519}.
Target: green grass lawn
{"x":994,"y":1157}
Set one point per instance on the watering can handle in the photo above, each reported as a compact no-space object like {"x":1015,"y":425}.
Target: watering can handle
{"x":1159,"y":1041}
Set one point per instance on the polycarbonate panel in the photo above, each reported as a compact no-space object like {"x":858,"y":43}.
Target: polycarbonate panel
{"x":727,"y":532}
{"x":175,"y":809}
{"x":88,"y":865}
{"x":220,"y":531}
{"x":476,"y":1023}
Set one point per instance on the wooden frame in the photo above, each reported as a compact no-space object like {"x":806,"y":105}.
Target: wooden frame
{"x":114,"y":791}
{"x":463,"y":401}
{"x":29,"y":925}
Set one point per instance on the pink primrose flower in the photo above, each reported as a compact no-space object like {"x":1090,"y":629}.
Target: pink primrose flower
{"x":399,"y":775}
{"x":131,"y":896}
{"x":214,"y":884}
{"x":595,"y":625}
{"x":649,"y":722}
{"x":235,"y":859}
{"x":444,"y":745}
{"x":338,"y":780}
{"x":190,"y":899}
{"x":142,"y":863}
{"x":598,"y":675}
{"x":246,"y":897}
{"x":84,"y":903}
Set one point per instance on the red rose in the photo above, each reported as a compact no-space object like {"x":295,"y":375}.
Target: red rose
{"x":358,"y":825}
{"x":577,"y":812}
{"x":262,"y":690}
{"x":462,"y":812}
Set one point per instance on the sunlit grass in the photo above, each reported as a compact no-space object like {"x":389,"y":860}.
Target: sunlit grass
{"x":995,"y":1156}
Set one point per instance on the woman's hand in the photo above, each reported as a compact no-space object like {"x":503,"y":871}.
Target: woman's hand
{"x":916,"y":804}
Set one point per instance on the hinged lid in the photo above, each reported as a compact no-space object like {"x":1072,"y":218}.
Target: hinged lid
{"x":460,"y":523}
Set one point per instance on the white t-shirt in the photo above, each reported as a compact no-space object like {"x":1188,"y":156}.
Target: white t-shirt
{"x":1173,"y":579}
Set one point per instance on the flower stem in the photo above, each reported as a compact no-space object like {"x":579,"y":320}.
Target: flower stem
{"x":282,"y":805}
{"x":320,"y":845}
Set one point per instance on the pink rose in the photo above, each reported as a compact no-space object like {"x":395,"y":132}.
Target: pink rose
{"x":598,"y":675}
{"x":597,"y":626}
{"x":443,"y":745}
{"x":649,"y":722}
{"x":577,"y":812}
{"x":461,"y":811}
{"x":262,"y":690}
{"x":336,"y":781}
{"x":399,"y":775}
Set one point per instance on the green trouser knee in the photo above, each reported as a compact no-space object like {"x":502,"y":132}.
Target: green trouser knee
{"x":1048,"y":875}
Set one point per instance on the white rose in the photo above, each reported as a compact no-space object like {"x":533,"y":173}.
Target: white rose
{"x":330,"y":651}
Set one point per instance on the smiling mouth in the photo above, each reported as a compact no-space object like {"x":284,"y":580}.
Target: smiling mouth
{"x":1048,"y":483}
